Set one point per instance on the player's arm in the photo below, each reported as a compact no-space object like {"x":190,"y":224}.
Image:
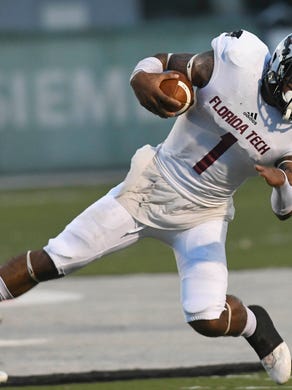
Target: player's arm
{"x":280,"y":178}
{"x":148,"y":75}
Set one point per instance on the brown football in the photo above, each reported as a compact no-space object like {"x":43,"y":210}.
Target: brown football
{"x":180,"y":89}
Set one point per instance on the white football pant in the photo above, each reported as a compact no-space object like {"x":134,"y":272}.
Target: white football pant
{"x":106,"y":227}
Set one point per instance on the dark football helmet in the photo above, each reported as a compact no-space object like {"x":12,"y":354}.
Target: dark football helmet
{"x":279,"y":72}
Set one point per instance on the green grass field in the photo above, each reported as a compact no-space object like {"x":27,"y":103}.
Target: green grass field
{"x":256,"y":239}
{"x":232,"y":382}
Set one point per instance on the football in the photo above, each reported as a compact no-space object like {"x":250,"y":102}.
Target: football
{"x":180,"y":89}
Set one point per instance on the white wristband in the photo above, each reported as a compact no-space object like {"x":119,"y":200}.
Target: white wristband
{"x":168,"y":58}
{"x":281,"y":198}
{"x":190,"y":68}
{"x":149,"y":65}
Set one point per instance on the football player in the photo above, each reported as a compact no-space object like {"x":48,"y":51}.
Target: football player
{"x":181,"y":191}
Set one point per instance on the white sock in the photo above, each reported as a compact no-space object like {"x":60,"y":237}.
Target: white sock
{"x":251,"y":323}
{"x":4,"y":292}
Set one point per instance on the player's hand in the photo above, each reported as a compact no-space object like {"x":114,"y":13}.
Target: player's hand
{"x":147,"y":90}
{"x":273,"y":176}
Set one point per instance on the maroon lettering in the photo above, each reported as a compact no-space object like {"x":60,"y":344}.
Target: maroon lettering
{"x":222,"y":111}
{"x":228,"y":117}
{"x":215,"y":100}
{"x":250,"y":134}
{"x":255,"y":140}
{"x":236,"y":123}
{"x":227,"y":140}
{"x":259,"y":143}
{"x":264,"y":149}
{"x":242,"y":128}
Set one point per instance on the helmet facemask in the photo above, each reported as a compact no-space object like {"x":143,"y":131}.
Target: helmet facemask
{"x":287,"y":96}
{"x":279,"y":76}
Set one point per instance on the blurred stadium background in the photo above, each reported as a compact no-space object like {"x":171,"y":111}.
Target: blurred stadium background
{"x":65,"y":101}
{"x":67,"y":112}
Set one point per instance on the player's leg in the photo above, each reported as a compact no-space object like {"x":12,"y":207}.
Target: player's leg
{"x":15,"y":277}
{"x":201,"y":261}
{"x":270,"y":347}
{"x":200,"y":254}
{"x":231,"y":322}
{"x":103,"y":228}
{"x":259,"y":331}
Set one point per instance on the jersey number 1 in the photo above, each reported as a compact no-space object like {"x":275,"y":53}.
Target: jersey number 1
{"x":227,"y":140}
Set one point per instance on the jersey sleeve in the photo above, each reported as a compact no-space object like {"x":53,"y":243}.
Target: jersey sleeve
{"x":241,"y":49}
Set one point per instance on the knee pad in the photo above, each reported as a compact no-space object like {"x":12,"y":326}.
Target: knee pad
{"x":209,"y":313}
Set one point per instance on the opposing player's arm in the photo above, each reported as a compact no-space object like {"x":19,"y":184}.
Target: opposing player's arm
{"x":280,"y":178}
{"x":148,"y":75}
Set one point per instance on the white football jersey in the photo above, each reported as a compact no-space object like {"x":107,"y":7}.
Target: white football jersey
{"x":213,"y":147}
